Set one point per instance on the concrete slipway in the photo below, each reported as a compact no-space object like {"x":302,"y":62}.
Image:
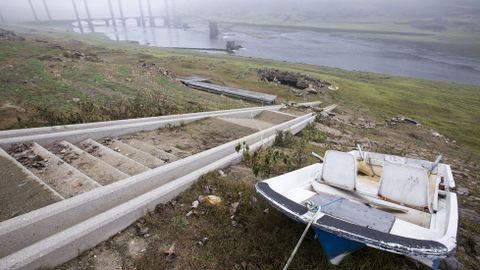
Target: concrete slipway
{"x":84,"y":207}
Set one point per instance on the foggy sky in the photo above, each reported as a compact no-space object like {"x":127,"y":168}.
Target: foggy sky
{"x":343,"y":10}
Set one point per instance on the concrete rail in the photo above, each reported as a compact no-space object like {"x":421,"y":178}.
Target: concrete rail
{"x":118,"y":129}
{"x":43,"y":130}
{"x":67,"y":244}
{"x":23,"y":231}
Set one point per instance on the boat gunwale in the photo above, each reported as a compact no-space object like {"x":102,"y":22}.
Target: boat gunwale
{"x":380,"y":240}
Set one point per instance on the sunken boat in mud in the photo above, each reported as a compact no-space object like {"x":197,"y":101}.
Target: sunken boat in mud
{"x":356,"y":199}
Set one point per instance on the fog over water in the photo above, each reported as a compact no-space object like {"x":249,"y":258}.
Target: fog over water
{"x":184,"y":23}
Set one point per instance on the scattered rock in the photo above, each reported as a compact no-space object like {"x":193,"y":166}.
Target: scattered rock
{"x":76,"y":100}
{"x":463,"y":191}
{"x":203,"y":241}
{"x":143,"y":230}
{"x":233,"y":208}
{"x":195,"y":204}
{"x":221,"y":173}
{"x":266,"y":211}
{"x":207,"y":189}
{"x":211,"y":200}
{"x":296,"y":80}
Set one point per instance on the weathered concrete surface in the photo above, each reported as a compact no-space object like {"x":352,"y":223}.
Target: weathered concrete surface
{"x":200,"y":84}
{"x":116,"y":128}
{"x":112,"y":157}
{"x":25,"y":230}
{"x":20,"y":190}
{"x":91,"y":166}
{"x":63,"y":246}
{"x":134,"y":153}
{"x":63,"y":128}
{"x":62,"y":177}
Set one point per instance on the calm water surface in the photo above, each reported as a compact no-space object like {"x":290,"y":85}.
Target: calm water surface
{"x":324,"y":49}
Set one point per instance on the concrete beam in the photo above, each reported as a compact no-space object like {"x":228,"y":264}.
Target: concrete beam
{"x":24,"y":230}
{"x":52,"y":129}
{"x":74,"y":134}
{"x":67,"y":244}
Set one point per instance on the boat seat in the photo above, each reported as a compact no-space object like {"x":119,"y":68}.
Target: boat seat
{"x":339,"y":170}
{"x":405,"y":184}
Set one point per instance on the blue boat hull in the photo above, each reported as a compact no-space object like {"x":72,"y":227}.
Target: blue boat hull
{"x":335,"y":248}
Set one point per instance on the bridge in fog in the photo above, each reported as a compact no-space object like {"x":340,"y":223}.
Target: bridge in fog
{"x":145,"y":16}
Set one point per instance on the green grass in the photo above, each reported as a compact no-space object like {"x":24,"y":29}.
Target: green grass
{"x":263,"y":241}
{"x":451,"y":109}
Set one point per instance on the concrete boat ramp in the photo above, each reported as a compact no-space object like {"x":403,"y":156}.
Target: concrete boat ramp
{"x":203,"y":84}
{"x":65,"y":189}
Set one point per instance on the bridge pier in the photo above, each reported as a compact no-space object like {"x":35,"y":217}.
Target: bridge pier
{"x":110,"y":7}
{"x":122,"y":17}
{"x":89,"y":17}
{"x":47,"y":10}
{"x":167,"y":21}
{"x":140,"y":5}
{"x":152,"y":19}
{"x":33,"y":10}
{"x":77,"y":16}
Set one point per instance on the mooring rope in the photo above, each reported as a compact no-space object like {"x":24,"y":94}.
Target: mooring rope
{"x":318,"y":210}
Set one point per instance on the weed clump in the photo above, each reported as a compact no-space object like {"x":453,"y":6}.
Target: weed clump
{"x":311,"y":133}
{"x":284,"y":138}
{"x":263,"y":161}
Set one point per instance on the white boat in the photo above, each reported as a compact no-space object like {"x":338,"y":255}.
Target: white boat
{"x":397,"y":204}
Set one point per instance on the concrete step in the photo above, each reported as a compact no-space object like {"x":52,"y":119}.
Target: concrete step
{"x":133,"y":153}
{"x":152,"y":150}
{"x":91,"y":166}
{"x":274,"y":117}
{"x":55,"y":172}
{"x":115,"y":159}
{"x":20,"y":190}
{"x":248,"y":122}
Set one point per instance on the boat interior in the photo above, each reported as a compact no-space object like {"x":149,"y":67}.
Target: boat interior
{"x":383,"y":187}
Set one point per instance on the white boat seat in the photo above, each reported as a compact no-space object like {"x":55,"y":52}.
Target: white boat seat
{"x":404,"y":184}
{"x":339,"y":170}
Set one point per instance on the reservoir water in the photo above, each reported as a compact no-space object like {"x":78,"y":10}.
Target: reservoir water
{"x":316,"y":48}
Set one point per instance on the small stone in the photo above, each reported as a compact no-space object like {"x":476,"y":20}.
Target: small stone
{"x":233,"y":208}
{"x":76,"y":100}
{"x":143,"y":230}
{"x":195,"y":204}
{"x":463,"y":191}
{"x":222,"y":173}
{"x":212,"y":200}
{"x":266,"y":211}
{"x":203,"y":241}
